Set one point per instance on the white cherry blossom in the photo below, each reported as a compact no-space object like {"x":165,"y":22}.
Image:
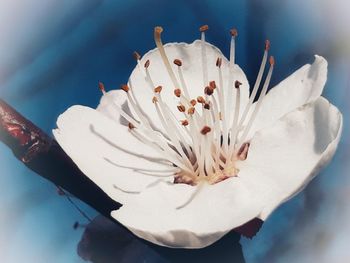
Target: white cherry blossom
{"x":190,"y":152}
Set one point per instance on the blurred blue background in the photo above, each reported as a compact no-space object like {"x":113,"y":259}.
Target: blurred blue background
{"x":53,"y":53}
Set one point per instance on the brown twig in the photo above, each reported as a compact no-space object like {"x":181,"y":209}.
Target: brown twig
{"x":45,"y":157}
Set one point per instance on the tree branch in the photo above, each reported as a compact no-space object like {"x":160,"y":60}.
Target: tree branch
{"x":45,"y":157}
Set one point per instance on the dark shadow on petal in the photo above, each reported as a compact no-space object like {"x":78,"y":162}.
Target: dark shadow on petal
{"x":323,"y":134}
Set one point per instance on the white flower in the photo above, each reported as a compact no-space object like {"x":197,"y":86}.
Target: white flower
{"x":189,"y":153}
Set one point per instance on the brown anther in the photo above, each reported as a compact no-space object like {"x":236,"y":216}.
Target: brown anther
{"x":131,"y":126}
{"x":208,"y":90}
{"x":219,"y":62}
{"x":193,"y":102}
{"x":184,"y":122}
{"x":158,"y":30}
{"x":220,"y":116}
{"x":205,"y":130}
{"x":267,"y":44}
{"x":177,"y":92}
{"x":181,"y":108}
{"x":237,"y":84}
{"x":101,"y":86}
{"x":191,"y":110}
{"x":206,"y":106}
{"x":212,"y":84}
{"x":147,"y":63}
{"x":136,"y":55}
{"x":203,"y":28}
{"x":154,"y":99}
{"x":234,"y":32}
{"x":158,"y":89}
{"x":124,"y":87}
{"x":200,"y":99}
{"x":178,"y":62}
{"x":272,"y":61}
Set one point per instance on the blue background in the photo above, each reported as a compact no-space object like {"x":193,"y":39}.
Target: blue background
{"x":53,"y":53}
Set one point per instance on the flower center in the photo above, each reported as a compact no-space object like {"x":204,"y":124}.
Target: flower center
{"x":206,"y":144}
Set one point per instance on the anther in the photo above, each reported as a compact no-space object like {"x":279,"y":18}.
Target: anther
{"x":206,"y":106}
{"x":154,"y":99}
{"x":212,"y":84}
{"x":147,"y":63}
{"x":158,"y":30}
{"x":219,"y":62}
{"x":237,"y":84}
{"x":193,"y":102}
{"x":205,"y":130}
{"x":184,"y":122}
{"x":158,"y":89}
{"x":124,"y":87}
{"x":136,"y":55}
{"x":208,"y":90}
{"x":200,"y":99}
{"x":181,"y":108}
{"x":203,"y":28}
{"x":191,"y":110}
{"x":267,"y":44}
{"x":101,"y":86}
{"x":131,"y":126}
{"x":234,"y":32}
{"x":178,"y":62}
{"x":272,"y":61}
{"x":177,"y":92}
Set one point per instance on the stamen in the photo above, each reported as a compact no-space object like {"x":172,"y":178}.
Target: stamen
{"x":191,"y":111}
{"x":258,"y":103}
{"x":234,"y":34}
{"x":101,"y":86}
{"x":193,"y":102}
{"x":234,"y":129}
{"x":131,"y":126}
{"x":171,"y":129}
{"x":202,"y":29}
{"x":178,"y":62}
{"x":177,"y":93}
{"x":257,"y":83}
{"x":206,"y":106}
{"x":124,"y":87}
{"x":205,"y":130}
{"x":157,"y":38}
{"x":136,"y":55}
{"x":147,"y":63}
{"x":158,"y":89}
{"x":200,"y":99}
{"x":181,"y":108}
{"x":208,"y":90}
{"x":184,"y":122}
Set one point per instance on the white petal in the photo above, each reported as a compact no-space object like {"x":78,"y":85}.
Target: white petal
{"x":102,"y":149}
{"x":303,"y":86}
{"x":107,"y":105}
{"x":217,"y":209}
{"x":190,"y":55}
{"x":282,"y":159}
